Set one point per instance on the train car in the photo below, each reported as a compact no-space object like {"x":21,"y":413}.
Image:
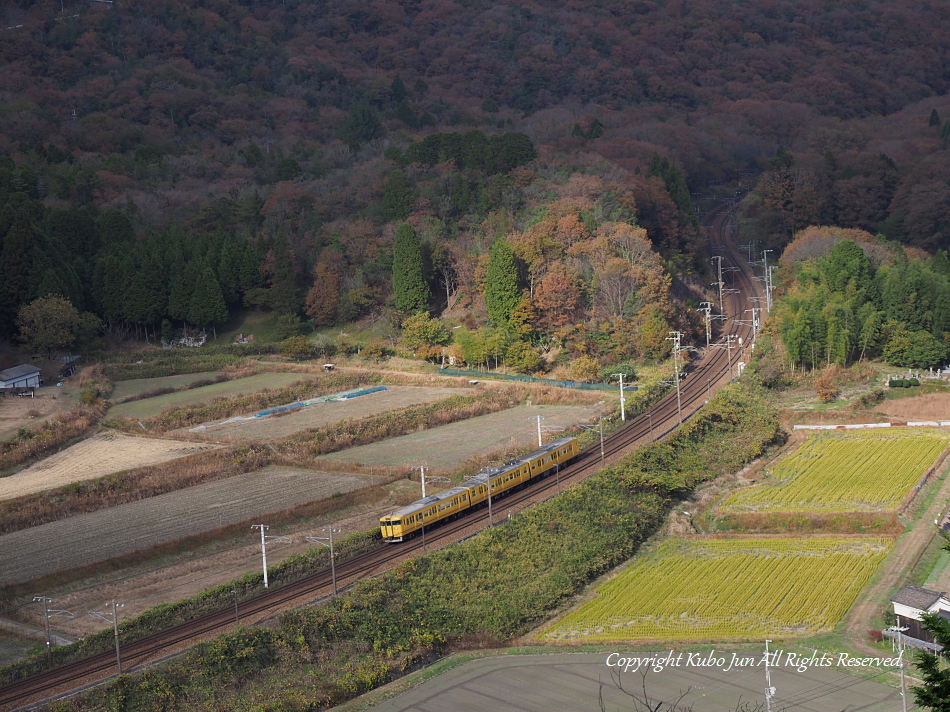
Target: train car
{"x":428,"y":511}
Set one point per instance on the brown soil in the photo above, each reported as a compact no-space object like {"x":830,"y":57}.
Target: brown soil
{"x":100,"y":455}
{"x":933,"y":406}
{"x":153,"y":583}
{"x":20,"y":412}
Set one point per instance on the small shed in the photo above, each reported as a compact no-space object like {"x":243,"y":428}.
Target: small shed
{"x":911,"y":602}
{"x":22,"y":376}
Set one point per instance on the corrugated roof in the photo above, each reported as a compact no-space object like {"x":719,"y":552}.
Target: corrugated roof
{"x":18,"y":372}
{"x":916,"y":597}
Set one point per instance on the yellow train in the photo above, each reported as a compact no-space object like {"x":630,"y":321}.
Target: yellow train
{"x":472,"y":492}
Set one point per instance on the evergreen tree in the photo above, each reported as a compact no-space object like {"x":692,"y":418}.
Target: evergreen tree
{"x":284,"y":295}
{"x":934,"y":119}
{"x":360,"y":125}
{"x":17,"y":259}
{"x":179,"y":293}
{"x":397,"y":197}
{"x":398,"y":89}
{"x":207,"y":302}
{"x":502,"y":290}
{"x":934,"y":693}
{"x":410,"y":288}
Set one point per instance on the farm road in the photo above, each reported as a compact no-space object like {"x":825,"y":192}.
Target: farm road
{"x":906,"y":553}
{"x":88,"y":538}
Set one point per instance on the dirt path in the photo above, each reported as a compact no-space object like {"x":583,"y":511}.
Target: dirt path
{"x":907,"y":552}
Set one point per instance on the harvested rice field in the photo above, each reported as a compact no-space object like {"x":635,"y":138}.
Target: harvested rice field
{"x":448,"y":446}
{"x":100,"y":455}
{"x":274,"y":427}
{"x":240,"y":386}
{"x":88,"y":538}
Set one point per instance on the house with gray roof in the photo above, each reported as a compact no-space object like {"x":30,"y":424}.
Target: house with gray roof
{"x":910,"y":604}
{"x":23,"y":376}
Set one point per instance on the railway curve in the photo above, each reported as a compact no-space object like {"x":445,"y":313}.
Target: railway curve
{"x":713,"y":371}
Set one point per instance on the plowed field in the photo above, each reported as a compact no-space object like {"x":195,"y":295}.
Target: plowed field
{"x":448,"y":446}
{"x":99,"y":455}
{"x":87,"y":538}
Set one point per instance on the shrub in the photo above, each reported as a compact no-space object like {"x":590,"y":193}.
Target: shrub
{"x":297,"y":348}
{"x":584,"y":368}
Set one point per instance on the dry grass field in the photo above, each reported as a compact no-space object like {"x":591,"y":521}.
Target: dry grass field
{"x":100,"y":455}
{"x":135,"y":386}
{"x":448,"y":446}
{"x":314,"y":416}
{"x":239,"y":386}
{"x":88,"y":538}
{"x":17,"y":412}
{"x":933,"y":406}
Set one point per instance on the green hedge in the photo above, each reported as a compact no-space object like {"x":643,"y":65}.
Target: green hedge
{"x":493,"y":587}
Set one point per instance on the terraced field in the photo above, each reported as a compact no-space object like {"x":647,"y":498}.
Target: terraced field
{"x":315,"y":416}
{"x":448,"y":446}
{"x":846,"y":472}
{"x":239,"y":386}
{"x":728,"y":589}
{"x":87,"y":538}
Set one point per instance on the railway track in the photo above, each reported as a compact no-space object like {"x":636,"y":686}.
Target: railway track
{"x":713,"y":371}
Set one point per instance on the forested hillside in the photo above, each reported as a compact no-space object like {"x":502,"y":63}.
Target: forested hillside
{"x":165,"y":163}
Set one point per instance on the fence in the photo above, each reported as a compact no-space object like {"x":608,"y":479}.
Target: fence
{"x":531,"y":379}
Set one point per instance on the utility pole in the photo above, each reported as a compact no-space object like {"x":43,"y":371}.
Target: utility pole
{"x":900,"y":648}
{"x":281,"y":539}
{"x":730,"y":338}
{"x":430,"y":478}
{"x":650,"y":416}
{"x":113,"y":617}
{"x":600,"y":427}
{"x":718,"y":260}
{"x":769,"y":690}
{"x":706,"y":309}
{"x":539,"y":428}
{"x":768,"y":290}
{"x":675,"y":337}
{"x":322,"y":541}
{"x":237,"y":621}
{"x":623,"y":415}
{"x":46,"y":614}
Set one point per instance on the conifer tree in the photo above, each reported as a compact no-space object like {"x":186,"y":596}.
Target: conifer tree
{"x":207,"y":302}
{"x":502,"y":290}
{"x":397,"y":198}
{"x":284,"y":296}
{"x":934,"y":118}
{"x":410,"y":288}
{"x":18,"y":261}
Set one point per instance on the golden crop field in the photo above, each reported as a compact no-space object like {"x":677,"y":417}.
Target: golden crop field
{"x":728,"y":588}
{"x":845,"y":472}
